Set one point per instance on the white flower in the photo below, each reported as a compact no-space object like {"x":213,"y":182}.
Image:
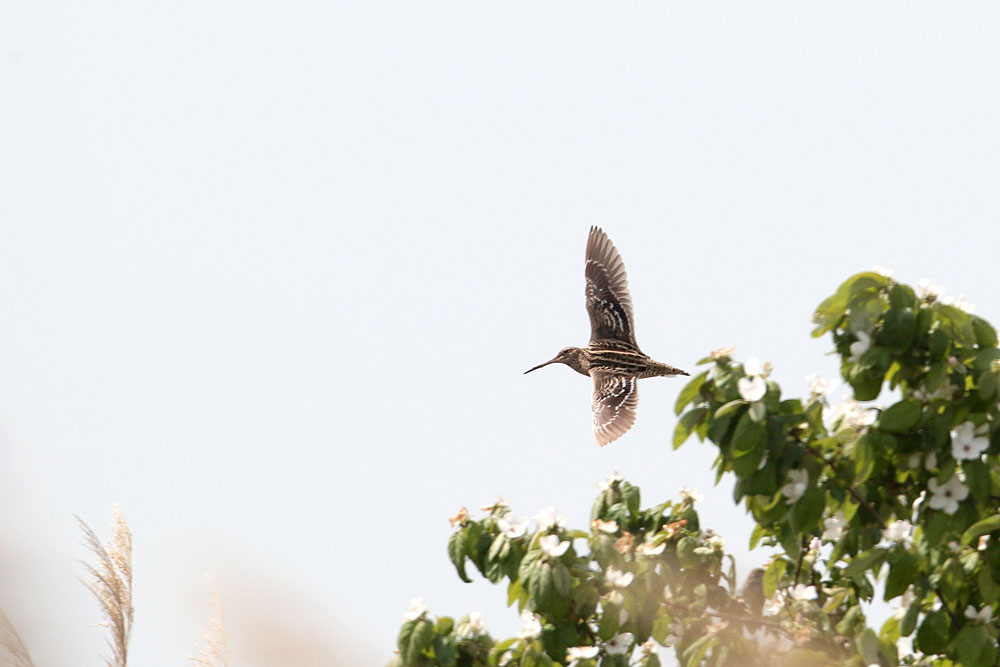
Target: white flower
{"x":860,"y":346}
{"x":984,"y":615}
{"x":551,"y":545}
{"x":929,"y":289}
{"x":616,"y":578}
{"x":547,"y":519}
{"x":897,"y":531}
{"x":512,"y":527}
{"x":474,"y":626}
{"x":814,"y":544}
{"x":947,"y":496}
{"x":668,"y":594}
{"x":615,"y":597}
{"x":581,"y":653}
{"x":690,"y":495}
{"x":802,"y":592}
{"x":984,"y":541}
{"x":612,"y":479}
{"x":417,"y":609}
{"x":752,"y":389}
{"x":834,"y":526}
{"x":959,"y":302}
{"x":675,"y":633}
{"x":752,"y":366}
{"x":505,"y":658}
{"x":500,"y":503}
{"x":774,"y":605}
{"x":885,"y":271}
{"x":850,"y":413}
{"x":609,"y":527}
{"x":795,"y":488}
{"x":619,"y":643}
{"x":647,"y":549}
{"x":819,"y":386}
{"x":968,"y":442}
{"x":532,"y":627}
{"x":930,"y":463}
{"x":717,"y":543}
{"x":650,"y":647}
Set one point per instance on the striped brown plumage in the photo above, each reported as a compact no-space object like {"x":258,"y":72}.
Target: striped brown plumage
{"x":612,"y":357}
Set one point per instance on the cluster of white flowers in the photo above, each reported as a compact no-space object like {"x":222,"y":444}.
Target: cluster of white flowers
{"x":929,"y":289}
{"x":616,"y":578}
{"x":968,"y":441}
{"x":851,"y":413}
{"x":884,"y":270}
{"x":803,"y":593}
{"x":794,"y":489}
{"x":473,"y":625}
{"x":774,"y":604}
{"x":752,"y":387}
{"x":947,"y":496}
{"x":581,"y":653}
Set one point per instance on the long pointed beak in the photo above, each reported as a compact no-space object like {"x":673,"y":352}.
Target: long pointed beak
{"x":551,"y":361}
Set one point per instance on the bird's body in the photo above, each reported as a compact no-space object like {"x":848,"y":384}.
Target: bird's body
{"x":612,"y":357}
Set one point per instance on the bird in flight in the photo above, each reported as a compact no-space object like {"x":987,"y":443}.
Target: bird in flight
{"x":612,"y":357}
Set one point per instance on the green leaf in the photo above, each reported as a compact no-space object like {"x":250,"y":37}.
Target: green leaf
{"x":561,"y":578}
{"x":689,"y":391}
{"x":868,"y":646}
{"x":986,"y":385}
{"x":807,"y":511}
{"x":977,"y":478}
{"x":864,"y":457}
{"x":687,"y":424}
{"x":414,"y":638}
{"x":456,"y":551}
{"x":901,"y":417}
{"x":975,"y":647}
{"x":899,"y":327}
{"x":902,"y":573}
{"x":697,"y":650}
{"x":984,"y":527}
{"x":865,"y":561}
{"x":932,"y":637}
{"x":534,"y":658}
{"x":909,"y":621}
{"x":445,"y":652}
{"x":541,"y":586}
{"x":661,"y":626}
{"x":772,"y":576}
{"x":444,"y":625}
{"x":986,"y":335}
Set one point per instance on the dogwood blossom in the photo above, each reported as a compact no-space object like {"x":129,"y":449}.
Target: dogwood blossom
{"x":860,"y":346}
{"x":929,"y":289}
{"x":752,"y":366}
{"x":819,"y":386}
{"x":649,"y":647}
{"x":609,"y":527}
{"x":886,"y":271}
{"x":773,"y":605}
{"x":897,"y":531}
{"x":581,"y":653}
{"x":619,"y":644}
{"x":794,"y":489}
{"x":752,"y":389}
{"x":984,"y":615}
{"x":473,"y":626}
{"x":616,"y":578}
{"x":648,"y":549}
{"x":690,"y":495}
{"x":968,"y":442}
{"x":547,"y":519}
{"x":834,"y":526}
{"x":551,"y":545}
{"x":947,"y":496}
{"x":532,"y":627}
{"x":611,"y":480}
{"x":512,"y":527}
{"x":801,"y":592}
{"x":417,"y":609}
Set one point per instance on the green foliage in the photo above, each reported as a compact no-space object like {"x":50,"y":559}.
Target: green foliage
{"x":851,"y":495}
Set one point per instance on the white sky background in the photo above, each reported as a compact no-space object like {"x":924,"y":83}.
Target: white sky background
{"x":270,"y":274}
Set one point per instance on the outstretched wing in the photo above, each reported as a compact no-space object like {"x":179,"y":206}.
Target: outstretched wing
{"x":615,"y":400}
{"x":608,"y":300}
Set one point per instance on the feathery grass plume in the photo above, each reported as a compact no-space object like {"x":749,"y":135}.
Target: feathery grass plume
{"x":111,"y":583}
{"x":18,"y":655}
{"x":213,"y":653}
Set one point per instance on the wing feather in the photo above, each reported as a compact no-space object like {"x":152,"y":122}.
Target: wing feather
{"x":608,"y":301}
{"x":615,"y":401}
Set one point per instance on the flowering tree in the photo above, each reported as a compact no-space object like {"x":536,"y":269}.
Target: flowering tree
{"x":856,"y":500}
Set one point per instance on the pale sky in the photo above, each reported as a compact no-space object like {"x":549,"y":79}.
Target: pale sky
{"x":270,"y":274}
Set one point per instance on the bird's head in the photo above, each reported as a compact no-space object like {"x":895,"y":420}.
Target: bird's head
{"x":571,"y":356}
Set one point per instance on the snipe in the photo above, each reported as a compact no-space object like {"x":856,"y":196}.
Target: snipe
{"x":612,"y":357}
